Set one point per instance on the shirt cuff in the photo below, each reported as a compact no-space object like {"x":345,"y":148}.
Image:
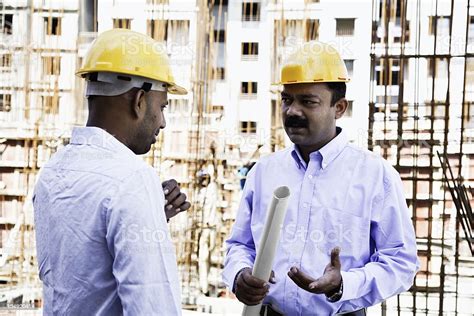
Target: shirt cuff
{"x":230,"y":273}
{"x":352,"y":282}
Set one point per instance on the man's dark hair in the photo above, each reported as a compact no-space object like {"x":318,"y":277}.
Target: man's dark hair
{"x":338,"y":90}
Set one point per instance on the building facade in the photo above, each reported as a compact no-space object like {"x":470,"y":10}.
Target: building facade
{"x":405,"y":59}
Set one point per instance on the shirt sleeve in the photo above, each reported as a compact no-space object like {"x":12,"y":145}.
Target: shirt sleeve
{"x":144,"y":262}
{"x":393,"y":265}
{"x":240,"y":245}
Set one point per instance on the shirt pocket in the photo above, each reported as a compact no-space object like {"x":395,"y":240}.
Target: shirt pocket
{"x":347,"y":231}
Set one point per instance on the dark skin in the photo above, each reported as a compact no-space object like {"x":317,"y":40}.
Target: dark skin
{"x":175,"y":201}
{"x":251,"y":290}
{"x":310,"y":122}
{"x":328,"y":284}
{"x":135,"y":118}
{"x":308,"y":116}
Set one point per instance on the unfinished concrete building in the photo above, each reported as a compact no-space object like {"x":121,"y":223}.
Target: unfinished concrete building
{"x":411,"y":96}
{"x":37,"y":109}
{"x":421,"y":104}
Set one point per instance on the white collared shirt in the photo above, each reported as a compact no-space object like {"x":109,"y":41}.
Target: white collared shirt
{"x":102,"y":240}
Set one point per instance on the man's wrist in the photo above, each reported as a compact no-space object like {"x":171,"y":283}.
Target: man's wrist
{"x":237,"y":277}
{"x":336,"y":296}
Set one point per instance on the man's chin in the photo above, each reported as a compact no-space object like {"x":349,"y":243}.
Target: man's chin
{"x":296,"y":139}
{"x":145,"y":149}
{"x":153,"y":141}
{"x":296,"y":132}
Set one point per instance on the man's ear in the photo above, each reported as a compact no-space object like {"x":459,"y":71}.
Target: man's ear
{"x":341,"y":107}
{"x":139,"y":104}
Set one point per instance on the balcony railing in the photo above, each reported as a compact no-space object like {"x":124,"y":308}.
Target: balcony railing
{"x":249,"y":57}
{"x":248,"y":96}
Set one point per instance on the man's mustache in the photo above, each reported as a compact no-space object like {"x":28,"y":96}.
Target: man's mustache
{"x":295,"y":121}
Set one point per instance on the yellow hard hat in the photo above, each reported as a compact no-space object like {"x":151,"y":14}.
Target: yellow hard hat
{"x":127,"y":52}
{"x":314,"y":62}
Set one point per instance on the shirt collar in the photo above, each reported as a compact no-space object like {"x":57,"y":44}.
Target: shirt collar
{"x":295,"y":153}
{"x":99,"y":137}
{"x":326,"y":154}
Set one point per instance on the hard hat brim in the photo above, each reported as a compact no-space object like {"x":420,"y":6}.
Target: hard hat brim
{"x":173,"y":88}
{"x":310,"y":81}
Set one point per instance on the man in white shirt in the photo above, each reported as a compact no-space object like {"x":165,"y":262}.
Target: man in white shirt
{"x":102,"y":240}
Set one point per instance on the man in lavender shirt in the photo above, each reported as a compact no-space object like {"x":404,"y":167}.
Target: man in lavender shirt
{"x":347,"y":241}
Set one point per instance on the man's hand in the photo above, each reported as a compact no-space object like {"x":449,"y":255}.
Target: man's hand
{"x":175,"y":201}
{"x":251,"y":290}
{"x":328,"y":284}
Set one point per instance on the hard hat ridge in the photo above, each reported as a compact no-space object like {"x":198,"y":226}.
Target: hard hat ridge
{"x":314,"y":62}
{"x":127,"y":52}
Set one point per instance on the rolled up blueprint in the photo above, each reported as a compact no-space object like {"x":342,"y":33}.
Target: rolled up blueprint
{"x":269,"y":241}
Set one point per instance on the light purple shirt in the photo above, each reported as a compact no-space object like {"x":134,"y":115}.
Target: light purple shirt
{"x":344,"y":196}
{"x":102,"y":240}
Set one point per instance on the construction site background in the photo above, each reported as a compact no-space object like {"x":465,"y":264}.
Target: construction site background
{"x":411,"y":100}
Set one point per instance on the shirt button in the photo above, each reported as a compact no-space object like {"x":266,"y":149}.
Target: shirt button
{"x":310,"y":176}
{"x":305,"y":205}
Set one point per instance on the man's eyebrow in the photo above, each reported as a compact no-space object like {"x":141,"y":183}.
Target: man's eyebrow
{"x":301,"y":96}
{"x":309,"y":96}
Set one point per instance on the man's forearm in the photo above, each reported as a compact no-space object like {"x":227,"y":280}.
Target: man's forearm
{"x":238,"y":257}
{"x":378,"y":280}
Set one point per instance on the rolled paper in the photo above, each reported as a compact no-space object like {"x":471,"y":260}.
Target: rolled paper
{"x":262,"y":267}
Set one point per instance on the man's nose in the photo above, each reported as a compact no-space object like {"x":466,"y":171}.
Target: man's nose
{"x":294,"y":109}
{"x":163,"y":122}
